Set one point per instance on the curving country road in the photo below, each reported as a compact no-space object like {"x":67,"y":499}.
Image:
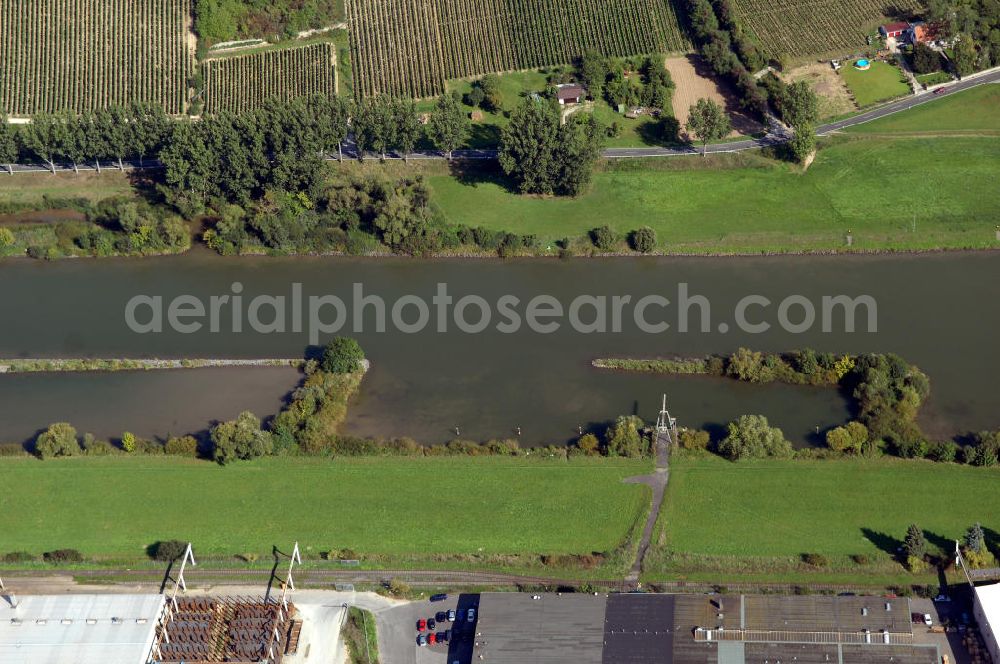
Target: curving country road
{"x":923,"y":97}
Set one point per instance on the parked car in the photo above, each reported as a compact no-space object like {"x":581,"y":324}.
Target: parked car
{"x":941,"y":91}
{"x":444,"y":637}
{"x":431,"y":624}
{"x":451,"y":615}
{"x":471,"y":615}
{"x":431,"y":639}
{"x":942,"y":598}
{"x":440,"y":597}
{"x":928,"y":620}
{"x":422,"y":640}
{"x":440,"y":616}
{"x":421,"y":625}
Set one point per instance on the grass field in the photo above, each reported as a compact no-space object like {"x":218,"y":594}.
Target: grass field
{"x":745,"y":203}
{"x":881,"y":82}
{"x":770,"y":510}
{"x":971,"y":111}
{"x":118,"y":505}
{"x":32,"y":189}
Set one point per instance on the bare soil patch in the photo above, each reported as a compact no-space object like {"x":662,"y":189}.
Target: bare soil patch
{"x":834,"y":97}
{"x":693,"y":80}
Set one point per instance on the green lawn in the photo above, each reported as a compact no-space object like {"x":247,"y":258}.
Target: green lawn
{"x":973,"y":111}
{"x":756,"y":516}
{"x":745,"y":203}
{"x":422,"y":507}
{"x":883,"y":81}
{"x":934,"y":78}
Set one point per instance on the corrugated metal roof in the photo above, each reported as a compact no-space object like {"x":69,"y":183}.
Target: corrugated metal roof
{"x":78,"y":629}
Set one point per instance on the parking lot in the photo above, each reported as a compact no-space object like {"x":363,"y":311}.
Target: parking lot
{"x":398,"y":632}
{"x":950,"y":614}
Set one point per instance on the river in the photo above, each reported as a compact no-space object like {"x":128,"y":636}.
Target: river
{"x":938,"y":311}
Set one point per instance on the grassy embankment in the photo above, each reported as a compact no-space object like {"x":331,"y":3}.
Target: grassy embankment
{"x":752,"y":521}
{"x":484,"y":512}
{"x":974,"y":112}
{"x":360,"y":636}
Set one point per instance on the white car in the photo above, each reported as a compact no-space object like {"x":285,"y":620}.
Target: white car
{"x":928,"y":620}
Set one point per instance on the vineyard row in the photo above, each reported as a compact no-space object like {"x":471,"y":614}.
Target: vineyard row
{"x":410,"y":47}
{"x":87,"y":54}
{"x":243,"y":82}
{"x":802,"y":28}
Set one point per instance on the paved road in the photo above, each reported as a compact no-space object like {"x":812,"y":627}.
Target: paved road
{"x":982,"y":78}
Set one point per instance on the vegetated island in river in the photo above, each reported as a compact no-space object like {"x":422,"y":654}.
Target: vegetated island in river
{"x":887,"y":391}
{"x":36,"y":365}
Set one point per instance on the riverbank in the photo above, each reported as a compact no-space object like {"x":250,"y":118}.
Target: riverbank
{"x":51,"y":365}
{"x":926,"y":160}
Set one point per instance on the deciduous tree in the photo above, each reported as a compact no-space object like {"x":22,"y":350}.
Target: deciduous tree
{"x":708,"y":122}
{"x":449,"y":126}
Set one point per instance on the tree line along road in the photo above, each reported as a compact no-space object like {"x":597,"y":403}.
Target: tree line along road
{"x":981,"y":78}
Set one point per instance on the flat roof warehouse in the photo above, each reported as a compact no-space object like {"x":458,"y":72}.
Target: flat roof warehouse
{"x":78,"y":629}
{"x":696,"y":629}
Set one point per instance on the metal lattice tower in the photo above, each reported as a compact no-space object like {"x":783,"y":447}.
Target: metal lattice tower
{"x":666,"y":425}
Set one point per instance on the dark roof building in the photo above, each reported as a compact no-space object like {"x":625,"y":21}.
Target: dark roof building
{"x":894,"y":29}
{"x":570,"y":93}
{"x":646,"y":628}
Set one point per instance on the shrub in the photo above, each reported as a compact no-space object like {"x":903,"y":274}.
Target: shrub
{"x":63,"y":556}
{"x":623,"y":438}
{"x":849,"y":438}
{"x":752,"y":437}
{"x":6,"y":237}
{"x":17,"y":557}
{"x":168,"y":550}
{"x":398,"y":588}
{"x":860,"y":559}
{"x":588,"y":444}
{"x":604,"y":238}
{"x":342,"y":355}
{"x":58,"y":440}
{"x":815,"y":559}
{"x":694,"y":439}
{"x":128,"y":442}
{"x":643,"y":239}
{"x":241,"y":438}
{"x":183,"y":446}
{"x":944,"y":451}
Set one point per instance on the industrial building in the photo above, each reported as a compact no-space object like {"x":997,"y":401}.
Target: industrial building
{"x":987,"y":612}
{"x":641,"y":628}
{"x":78,"y":629}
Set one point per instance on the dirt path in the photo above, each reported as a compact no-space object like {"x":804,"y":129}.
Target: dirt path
{"x":658,"y":483}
